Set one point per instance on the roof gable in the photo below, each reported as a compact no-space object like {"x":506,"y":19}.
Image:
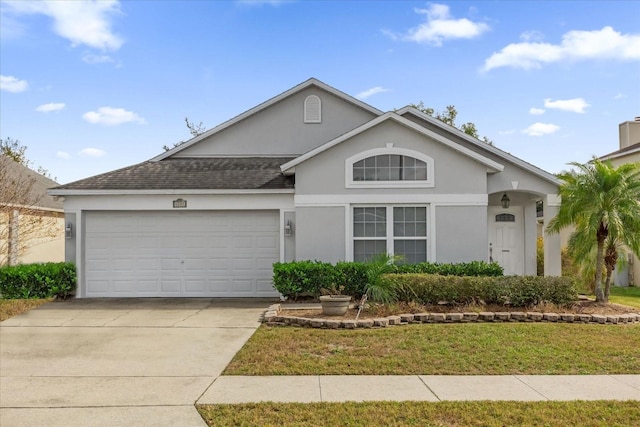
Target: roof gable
{"x":490,"y":164}
{"x":503,"y":155}
{"x":312,"y":82}
{"x":34,"y":181}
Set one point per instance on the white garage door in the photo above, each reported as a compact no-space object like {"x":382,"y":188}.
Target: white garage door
{"x":180,"y":254}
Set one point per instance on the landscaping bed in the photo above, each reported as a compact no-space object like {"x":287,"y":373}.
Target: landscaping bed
{"x":378,"y":315}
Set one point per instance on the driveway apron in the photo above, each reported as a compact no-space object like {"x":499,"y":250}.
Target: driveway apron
{"x":104,"y":362}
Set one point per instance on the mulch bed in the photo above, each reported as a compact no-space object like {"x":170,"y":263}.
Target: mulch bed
{"x":374,"y":311}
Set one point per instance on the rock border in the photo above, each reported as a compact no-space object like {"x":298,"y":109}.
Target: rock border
{"x":272,"y":317}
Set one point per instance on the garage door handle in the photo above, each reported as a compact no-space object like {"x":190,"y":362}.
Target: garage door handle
{"x":506,"y":250}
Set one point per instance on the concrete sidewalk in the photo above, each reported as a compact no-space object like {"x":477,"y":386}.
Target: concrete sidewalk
{"x":431,"y":388}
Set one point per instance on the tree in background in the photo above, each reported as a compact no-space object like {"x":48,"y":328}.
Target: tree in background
{"x":194,"y":130}
{"x":602,"y":202}
{"x":449,"y":117}
{"x":21,"y":220}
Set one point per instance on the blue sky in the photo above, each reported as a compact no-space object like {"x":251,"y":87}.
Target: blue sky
{"x":93,"y":86}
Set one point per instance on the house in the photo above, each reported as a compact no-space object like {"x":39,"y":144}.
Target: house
{"x":312,"y":173}
{"x":629,"y":152}
{"x":31,"y":222}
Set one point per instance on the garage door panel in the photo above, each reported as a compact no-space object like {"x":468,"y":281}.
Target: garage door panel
{"x":220,"y":253}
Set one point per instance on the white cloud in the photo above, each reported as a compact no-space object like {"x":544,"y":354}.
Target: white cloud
{"x":63,"y":155}
{"x":112,"y":116}
{"x":52,"y":106}
{"x":536,"y":111}
{"x":91,"y":152}
{"x":81,"y":22}
{"x":539,"y":129}
{"x":370,"y":92}
{"x":575,"y":46}
{"x":440,"y":26}
{"x":620,"y":96}
{"x":576,"y":105}
{"x":531,"y":36}
{"x":91,"y":58}
{"x":12,"y":84}
{"x":507,"y":132}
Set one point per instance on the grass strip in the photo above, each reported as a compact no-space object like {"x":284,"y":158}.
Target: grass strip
{"x":482,"y":413}
{"x":442,"y":349}
{"x":13,"y":307}
{"x":625,"y":296}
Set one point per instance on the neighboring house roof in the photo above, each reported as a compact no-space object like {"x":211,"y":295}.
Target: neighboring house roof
{"x":631,"y":149}
{"x":196,"y":174}
{"x":302,"y":86}
{"x":38,"y":191}
{"x":483,"y":145}
{"x":494,"y":166}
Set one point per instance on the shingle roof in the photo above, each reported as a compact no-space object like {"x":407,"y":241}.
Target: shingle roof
{"x":35,"y":182}
{"x":622,"y":151}
{"x":246,"y":173}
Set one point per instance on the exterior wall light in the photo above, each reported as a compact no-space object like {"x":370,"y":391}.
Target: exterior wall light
{"x":288,"y":228}
{"x":68,"y":231}
{"x":506,"y":201}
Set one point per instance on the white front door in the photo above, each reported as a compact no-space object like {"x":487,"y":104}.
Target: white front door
{"x":506,"y":238}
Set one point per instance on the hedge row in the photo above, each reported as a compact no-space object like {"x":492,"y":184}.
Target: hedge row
{"x":298,"y":278}
{"x":37,"y":280}
{"x":518,"y":291}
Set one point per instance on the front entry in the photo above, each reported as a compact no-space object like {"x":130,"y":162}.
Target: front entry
{"x":506,"y":238}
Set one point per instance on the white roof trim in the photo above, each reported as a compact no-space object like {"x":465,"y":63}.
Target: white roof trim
{"x":490,"y":148}
{"x":264,"y":105}
{"x":495,"y":166}
{"x":63,"y":192}
{"x":617,"y":154}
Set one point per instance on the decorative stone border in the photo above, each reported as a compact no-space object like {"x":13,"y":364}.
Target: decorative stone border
{"x":272,"y":316}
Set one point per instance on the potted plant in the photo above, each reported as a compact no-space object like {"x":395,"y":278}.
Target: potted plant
{"x":333,"y":302}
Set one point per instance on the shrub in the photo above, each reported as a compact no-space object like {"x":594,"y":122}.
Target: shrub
{"x":298,"y":278}
{"x":520,"y":291}
{"x":301,"y":278}
{"x":37,"y":280}
{"x":473,"y":268}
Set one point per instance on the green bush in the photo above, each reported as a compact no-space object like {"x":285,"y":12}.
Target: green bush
{"x":473,"y":268}
{"x":37,"y":280}
{"x":518,"y":291}
{"x":306,"y":278}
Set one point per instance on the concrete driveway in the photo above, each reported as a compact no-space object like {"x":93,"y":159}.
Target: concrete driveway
{"x":106,"y":362}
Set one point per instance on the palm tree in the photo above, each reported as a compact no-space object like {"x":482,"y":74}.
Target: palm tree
{"x":602,"y":202}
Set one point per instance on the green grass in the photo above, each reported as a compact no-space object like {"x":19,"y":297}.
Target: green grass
{"x":625,"y":296}
{"x":423,"y":414}
{"x":442,"y":349}
{"x":13,"y":307}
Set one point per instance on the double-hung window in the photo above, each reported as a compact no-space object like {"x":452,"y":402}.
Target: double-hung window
{"x":396,"y":230}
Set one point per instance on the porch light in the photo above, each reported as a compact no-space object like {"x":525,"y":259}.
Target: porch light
{"x":506,"y":201}
{"x":68,"y":231}
{"x":288,"y":228}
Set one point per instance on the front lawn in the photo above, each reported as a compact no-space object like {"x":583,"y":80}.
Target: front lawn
{"x":489,"y":414}
{"x":626,"y":296}
{"x":442,"y":349}
{"x":13,"y":307}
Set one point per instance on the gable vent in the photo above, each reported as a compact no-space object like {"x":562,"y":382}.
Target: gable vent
{"x":312,"y":109}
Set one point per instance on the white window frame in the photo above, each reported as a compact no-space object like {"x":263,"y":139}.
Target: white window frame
{"x":306,"y":116}
{"x":390,"y":238}
{"x":389,"y":149}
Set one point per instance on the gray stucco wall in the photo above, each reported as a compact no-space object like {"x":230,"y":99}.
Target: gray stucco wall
{"x":461,"y":234}
{"x":454,"y":173}
{"x":320,"y":233}
{"x":280,"y":129}
{"x":499,"y":181}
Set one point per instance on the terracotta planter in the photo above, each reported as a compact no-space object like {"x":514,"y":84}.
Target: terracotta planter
{"x":335,"y":305}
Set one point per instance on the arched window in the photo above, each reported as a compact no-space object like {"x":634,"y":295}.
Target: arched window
{"x":312,"y":109}
{"x":390,"y":167}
